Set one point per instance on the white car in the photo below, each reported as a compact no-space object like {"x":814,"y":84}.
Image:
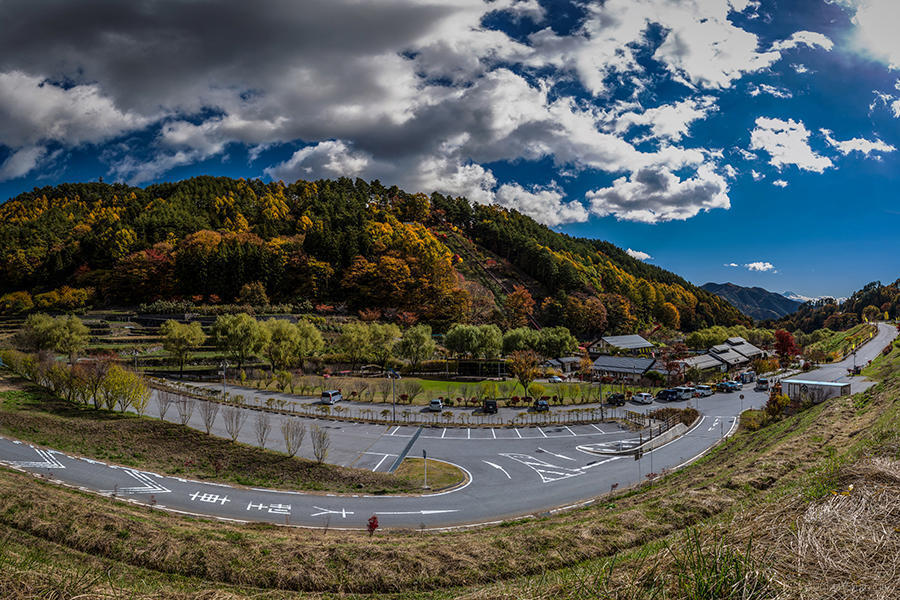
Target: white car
{"x":704,"y":390}
{"x":436,"y":405}
{"x":555,"y":379}
{"x":642,"y":398}
{"x":331,"y":397}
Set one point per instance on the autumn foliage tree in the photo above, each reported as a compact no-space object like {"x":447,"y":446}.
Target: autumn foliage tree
{"x":785,"y":346}
{"x":523,"y":365}
{"x":519,"y":307}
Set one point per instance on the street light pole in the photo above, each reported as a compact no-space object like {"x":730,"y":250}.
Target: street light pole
{"x":224,"y":375}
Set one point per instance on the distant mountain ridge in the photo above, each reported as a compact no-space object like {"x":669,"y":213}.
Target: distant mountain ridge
{"x":799,"y":298}
{"x":756,"y":302}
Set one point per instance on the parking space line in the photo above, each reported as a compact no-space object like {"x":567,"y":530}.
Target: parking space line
{"x":542,"y":432}
{"x":493,"y":433}
{"x":396,"y":429}
{"x":468,"y":433}
{"x":517,"y":432}
{"x":569,"y":430}
{"x":383,"y":458}
{"x":443,"y":433}
{"x":597,"y":428}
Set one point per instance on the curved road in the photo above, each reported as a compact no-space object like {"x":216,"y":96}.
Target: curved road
{"x":513,"y":472}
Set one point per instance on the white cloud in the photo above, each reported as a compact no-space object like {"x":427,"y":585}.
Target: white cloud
{"x":810,"y":39}
{"x":800,"y":68}
{"x":760,"y":266}
{"x":757,"y":176}
{"x":21,"y":162}
{"x":763,"y":88}
{"x":780,"y":183}
{"x":786,"y":142}
{"x":860,"y":145}
{"x":638,"y":254}
{"x":670,"y":121}
{"x":543,"y":204}
{"x":332,"y":158}
{"x":653,"y":195}
{"x":33,"y":110}
{"x":876,"y":31}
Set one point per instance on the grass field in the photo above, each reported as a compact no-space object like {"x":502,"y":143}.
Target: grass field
{"x":441,"y":475}
{"x":841,"y":343}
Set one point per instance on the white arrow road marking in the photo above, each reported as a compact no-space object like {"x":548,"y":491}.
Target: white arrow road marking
{"x":414,"y":512}
{"x":546,"y":471}
{"x":563,"y":456}
{"x":49,"y":462}
{"x":508,"y":476}
{"x":149,"y":487}
{"x":325,"y":511}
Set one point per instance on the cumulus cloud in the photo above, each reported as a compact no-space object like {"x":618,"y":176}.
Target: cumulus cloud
{"x":861,"y":145}
{"x":757,"y":176}
{"x":759,"y":266}
{"x":764,"y":88}
{"x":422,"y":93}
{"x":670,"y":121}
{"x":787,"y":143}
{"x":653,"y":195}
{"x":780,"y":183}
{"x":21,"y":162}
{"x":875,"y":31}
{"x":638,"y":254}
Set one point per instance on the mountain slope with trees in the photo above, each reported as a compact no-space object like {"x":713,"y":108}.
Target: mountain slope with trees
{"x":873,"y":302}
{"x":755,"y":302}
{"x":330,"y":244}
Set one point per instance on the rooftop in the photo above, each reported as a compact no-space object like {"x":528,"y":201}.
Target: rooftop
{"x":623,"y":364}
{"x":824,"y":383}
{"x":627,"y":342}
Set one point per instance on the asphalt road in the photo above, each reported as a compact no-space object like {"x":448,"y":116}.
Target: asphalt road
{"x":512,"y":471}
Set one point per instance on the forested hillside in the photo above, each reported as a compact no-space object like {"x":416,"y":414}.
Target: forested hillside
{"x":337,"y":245}
{"x":873,"y":302}
{"x":754,"y":302}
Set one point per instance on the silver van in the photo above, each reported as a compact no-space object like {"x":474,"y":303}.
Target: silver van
{"x":684,"y":393}
{"x":332,"y":397}
{"x":704,"y":391}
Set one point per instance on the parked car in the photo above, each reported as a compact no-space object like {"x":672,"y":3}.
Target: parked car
{"x":489,"y":407}
{"x":684,"y":392}
{"x":436,"y":405}
{"x":702,"y":391}
{"x":762,"y":385}
{"x":666,"y":396}
{"x":555,"y":379}
{"x":541,"y":405}
{"x":332,"y":397}
{"x":724,"y":386}
{"x":642,"y":398}
{"x":616,"y":399}
{"x":737,"y":384}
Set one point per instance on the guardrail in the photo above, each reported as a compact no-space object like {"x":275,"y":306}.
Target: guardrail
{"x":415,"y":416}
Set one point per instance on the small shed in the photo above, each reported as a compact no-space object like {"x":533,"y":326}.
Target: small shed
{"x":803,"y":390}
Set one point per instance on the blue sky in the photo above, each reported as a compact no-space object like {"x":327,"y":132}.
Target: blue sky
{"x":726,"y":140}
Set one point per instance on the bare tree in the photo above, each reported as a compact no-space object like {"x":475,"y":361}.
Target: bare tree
{"x":185,"y":407}
{"x":234,"y":417}
{"x":293,"y":430}
{"x":320,"y":443}
{"x":163,"y":400}
{"x":384,"y":389}
{"x":412,"y":389}
{"x":208,"y":411}
{"x":263,"y":427}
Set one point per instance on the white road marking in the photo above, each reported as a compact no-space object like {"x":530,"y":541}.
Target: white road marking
{"x":569,"y":430}
{"x":397,"y":428}
{"x":542,"y":432}
{"x":324,"y":511}
{"x":443,"y":433}
{"x":468,"y":433}
{"x":383,"y":458}
{"x":597,"y":428}
{"x":49,"y":462}
{"x":563,"y":456}
{"x":149,"y":487}
{"x":546,"y":471}
{"x":414,"y":512}
{"x":508,"y":476}
{"x":517,"y":432}
{"x":493,"y":433}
